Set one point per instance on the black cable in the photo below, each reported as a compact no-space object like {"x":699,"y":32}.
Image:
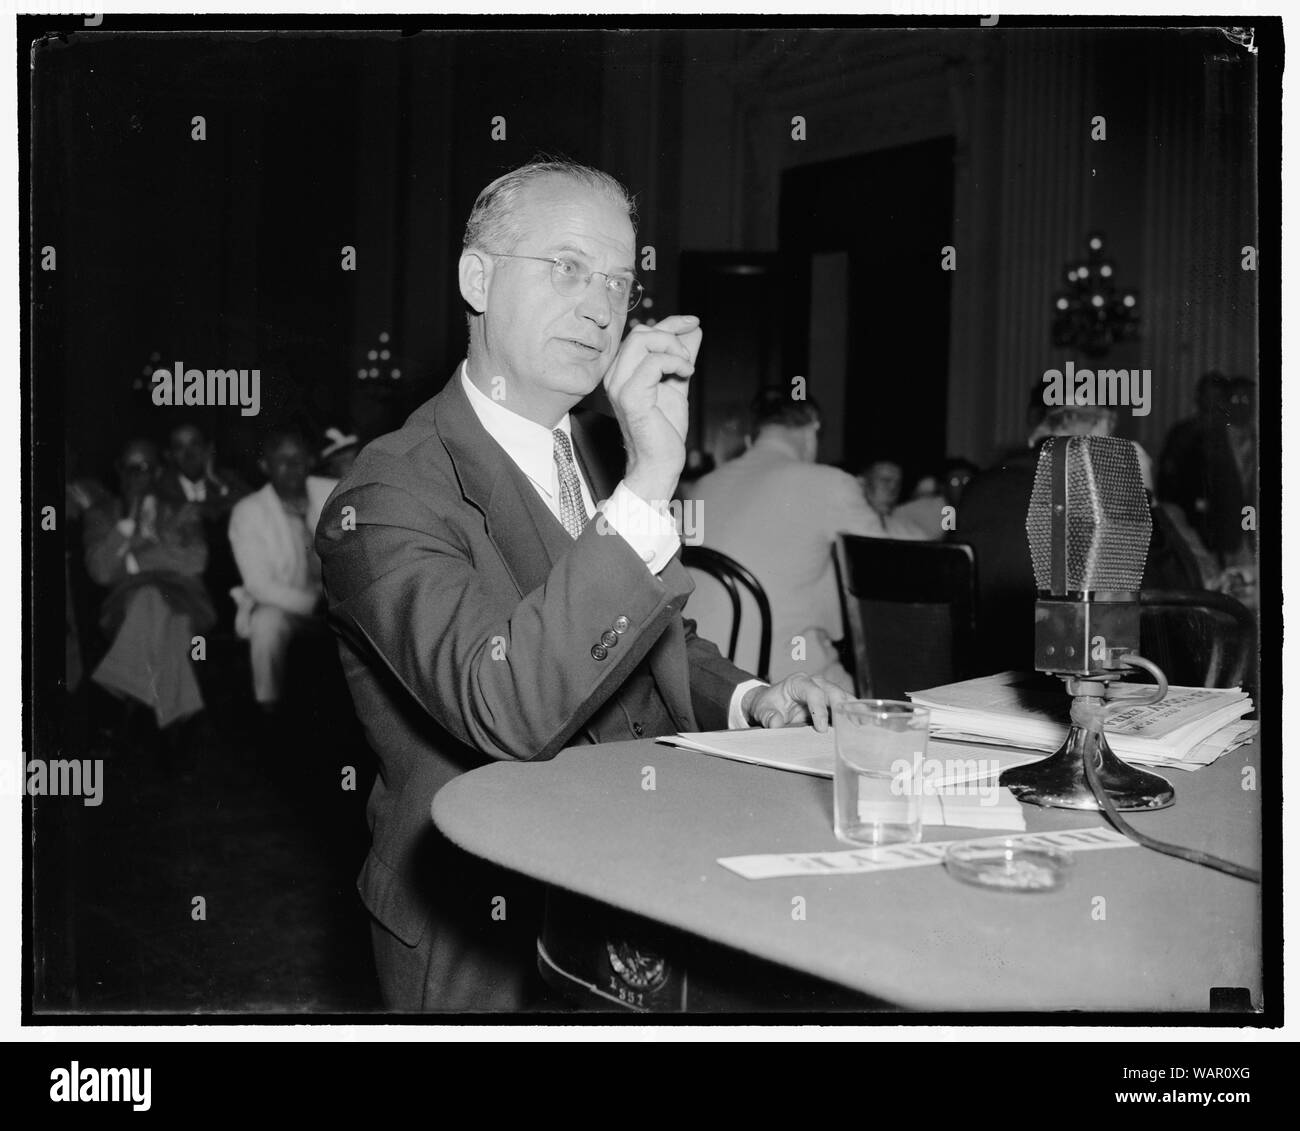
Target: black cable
{"x":1193,"y":855}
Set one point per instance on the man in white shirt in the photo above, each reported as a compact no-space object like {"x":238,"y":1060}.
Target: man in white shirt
{"x":498,"y":594}
{"x":272,"y":534}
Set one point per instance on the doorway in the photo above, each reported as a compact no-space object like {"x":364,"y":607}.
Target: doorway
{"x":863,"y":237}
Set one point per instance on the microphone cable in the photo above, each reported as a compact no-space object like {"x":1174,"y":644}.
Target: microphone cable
{"x":1094,"y":720}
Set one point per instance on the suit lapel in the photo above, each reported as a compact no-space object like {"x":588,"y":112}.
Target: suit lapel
{"x":523,"y":530}
{"x":528,"y":536}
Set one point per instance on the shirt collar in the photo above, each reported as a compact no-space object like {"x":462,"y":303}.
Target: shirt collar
{"x":529,"y":444}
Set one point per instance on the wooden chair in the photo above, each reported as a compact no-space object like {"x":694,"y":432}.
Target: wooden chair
{"x":909,"y":608}
{"x":1199,"y":638}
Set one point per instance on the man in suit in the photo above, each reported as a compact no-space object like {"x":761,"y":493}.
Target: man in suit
{"x":486,"y":607}
{"x":191,"y":475}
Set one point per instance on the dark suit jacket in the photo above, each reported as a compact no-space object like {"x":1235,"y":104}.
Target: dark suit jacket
{"x":469,"y":622}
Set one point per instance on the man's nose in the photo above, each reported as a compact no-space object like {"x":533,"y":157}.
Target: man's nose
{"x":597,"y":303}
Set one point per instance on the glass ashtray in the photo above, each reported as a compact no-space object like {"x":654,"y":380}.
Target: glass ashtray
{"x":1008,"y":865}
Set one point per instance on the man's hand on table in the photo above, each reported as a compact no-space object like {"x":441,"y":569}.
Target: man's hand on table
{"x":795,"y":701}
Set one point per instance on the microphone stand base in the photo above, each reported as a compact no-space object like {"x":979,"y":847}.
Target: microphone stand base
{"x":1061,"y":782}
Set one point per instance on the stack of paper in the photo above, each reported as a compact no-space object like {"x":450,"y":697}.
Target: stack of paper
{"x":1189,"y":728}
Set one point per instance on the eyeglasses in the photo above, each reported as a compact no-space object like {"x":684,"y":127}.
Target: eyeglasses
{"x":569,"y":281}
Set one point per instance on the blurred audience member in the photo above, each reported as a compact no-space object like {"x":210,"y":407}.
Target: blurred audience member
{"x":272,"y":534}
{"x":927,"y":487}
{"x":150,"y":553}
{"x":776,"y":511}
{"x":881,"y":484}
{"x":1208,"y":477}
{"x":698,"y":464}
{"x":191,"y":475}
{"x":727,"y":441}
{"x":339,"y":453}
{"x":927,"y":512}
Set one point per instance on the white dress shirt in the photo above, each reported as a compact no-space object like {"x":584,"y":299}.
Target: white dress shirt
{"x":650,"y":532}
{"x":531,"y":447}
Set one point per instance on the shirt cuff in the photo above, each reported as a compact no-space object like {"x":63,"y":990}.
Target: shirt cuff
{"x":735,"y":716}
{"x":650,"y":531}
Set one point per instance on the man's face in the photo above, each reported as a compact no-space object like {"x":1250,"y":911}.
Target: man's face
{"x":137,"y":467}
{"x":286,"y":467}
{"x":955,"y":484}
{"x":189,"y":452}
{"x":543,"y":342}
{"x":882,"y":485}
{"x":1241,"y":405}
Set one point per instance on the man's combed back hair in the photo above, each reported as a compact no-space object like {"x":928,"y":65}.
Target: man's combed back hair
{"x":777,"y":406}
{"x":493,"y":223}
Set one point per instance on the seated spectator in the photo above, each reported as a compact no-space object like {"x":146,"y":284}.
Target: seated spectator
{"x":150,"y":553}
{"x":339,"y":453}
{"x":926,"y":511}
{"x":881,"y":484}
{"x":1207,"y":479}
{"x":192,"y":476}
{"x":776,"y":511}
{"x":927,"y":487}
{"x":272,"y":534}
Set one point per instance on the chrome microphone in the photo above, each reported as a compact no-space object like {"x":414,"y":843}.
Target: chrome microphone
{"x":1089,"y":527}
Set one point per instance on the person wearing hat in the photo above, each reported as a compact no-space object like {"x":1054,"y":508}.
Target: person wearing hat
{"x":339,"y":453}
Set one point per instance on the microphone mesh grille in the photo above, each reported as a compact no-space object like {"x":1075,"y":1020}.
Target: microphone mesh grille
{"x":1108,"y":518}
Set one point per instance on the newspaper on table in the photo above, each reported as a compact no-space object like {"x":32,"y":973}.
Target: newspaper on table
{"x":1190,"y":727}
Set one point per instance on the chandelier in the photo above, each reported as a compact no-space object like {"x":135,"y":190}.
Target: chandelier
{"x":1092,"y":314}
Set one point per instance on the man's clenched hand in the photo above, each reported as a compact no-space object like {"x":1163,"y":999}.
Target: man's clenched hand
{"x":648,"y":385}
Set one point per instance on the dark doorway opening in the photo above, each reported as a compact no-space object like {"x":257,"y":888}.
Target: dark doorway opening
{"x":864,"y":237}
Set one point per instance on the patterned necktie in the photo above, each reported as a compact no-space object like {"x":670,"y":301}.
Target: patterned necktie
{"x":572,"y":511}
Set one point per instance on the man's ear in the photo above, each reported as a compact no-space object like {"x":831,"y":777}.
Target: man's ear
{"x":475,"y":275}
{"x":264,"y":467}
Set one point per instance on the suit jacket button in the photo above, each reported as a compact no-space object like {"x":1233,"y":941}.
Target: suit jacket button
{"x":621,"y":625}
{"x":638,"y":729}
{"x":609,"y":639}
{"x":599,"y":651}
